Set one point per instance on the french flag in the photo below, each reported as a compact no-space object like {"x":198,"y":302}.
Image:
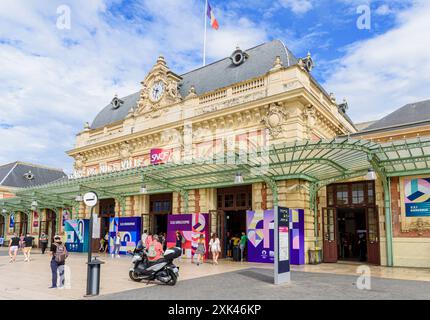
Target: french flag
{"x":210,"y":13}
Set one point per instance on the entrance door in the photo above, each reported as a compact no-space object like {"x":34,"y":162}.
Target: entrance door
{"x":329,"y":234}
{"x":373,"y":253}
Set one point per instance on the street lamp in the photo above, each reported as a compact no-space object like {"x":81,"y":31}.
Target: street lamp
{"x":33,"y":205}
{"x":238,"y":178}
{"x":143,"y":189}
{"x":371,"y":175}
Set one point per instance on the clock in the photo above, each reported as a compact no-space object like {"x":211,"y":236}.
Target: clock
{"x":157,"y":91}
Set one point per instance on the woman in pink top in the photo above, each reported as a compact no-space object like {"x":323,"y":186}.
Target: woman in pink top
{"x":155,"y":249}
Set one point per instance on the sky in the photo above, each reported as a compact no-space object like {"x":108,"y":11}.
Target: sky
{"x":57,"y":73}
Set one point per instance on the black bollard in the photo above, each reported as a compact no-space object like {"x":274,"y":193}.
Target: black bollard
{"x":93,"y":280}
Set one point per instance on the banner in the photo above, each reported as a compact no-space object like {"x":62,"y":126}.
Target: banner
{"x":35,"y":219}
{"x":77,"y":235}
{"x":129,"y":229}
{"x":417,"y":197}
{"x":12,"y":221}
{"x":260,"y":231}
{"x":191,"y":226}
{"x":66,"y":216}
{"x":160,"y":155}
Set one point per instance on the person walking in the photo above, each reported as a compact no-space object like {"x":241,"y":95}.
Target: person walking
{"x":215,"y":248}
{"x":106,"y":243}
{"x":144,"y":236}
{"x":178,"y":242}
{"x":102,"y":245}
{"x":43,"y":242}
{"x":13,"y":247}
{"x":58,"y":261}
{"x":242,"y":245}
{"x":163,"y":240}
{"x":117,"y":245}
{"x":201,"y":249}
{"x":28,"y":245}
{"x":21,"y":242}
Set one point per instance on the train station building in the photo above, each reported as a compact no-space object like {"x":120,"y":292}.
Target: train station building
{"x":217,"y":148}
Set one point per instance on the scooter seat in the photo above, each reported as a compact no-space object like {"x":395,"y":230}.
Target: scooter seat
{"x":151,"y":263}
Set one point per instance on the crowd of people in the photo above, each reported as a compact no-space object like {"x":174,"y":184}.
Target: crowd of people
{"x":154,"y":244}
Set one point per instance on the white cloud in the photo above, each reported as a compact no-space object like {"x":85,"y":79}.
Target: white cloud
{"x":390,"y":70}
{"x":297,"y":6}
{"x":52,"y":80}
{"x":383,"y":10}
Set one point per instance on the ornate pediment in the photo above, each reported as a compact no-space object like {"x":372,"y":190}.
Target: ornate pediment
{"x":159,"y":90}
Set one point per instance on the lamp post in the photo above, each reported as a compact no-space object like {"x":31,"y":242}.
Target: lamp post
{"x":93,"y":269}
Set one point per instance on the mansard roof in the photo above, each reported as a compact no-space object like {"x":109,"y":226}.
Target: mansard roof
{"x":213,"y":76}
{"x":21,"y":175}
{"x":408,"y":115}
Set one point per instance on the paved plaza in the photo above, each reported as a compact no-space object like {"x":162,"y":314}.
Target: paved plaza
{"x":229,"y":280}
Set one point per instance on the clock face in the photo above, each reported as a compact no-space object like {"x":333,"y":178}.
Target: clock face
{"x":157,"y":91}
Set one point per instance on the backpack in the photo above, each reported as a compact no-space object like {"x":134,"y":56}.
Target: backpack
{"x":151,"y":251}
{"x":61,"y":253}
{"x":183,"y":240}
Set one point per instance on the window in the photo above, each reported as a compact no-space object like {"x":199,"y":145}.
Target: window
{"x":370,"y":193}
{"x":241,"y":200}
{"x":342,"y":194}
{"x":229,"y":200}
{"x":358,"y":193}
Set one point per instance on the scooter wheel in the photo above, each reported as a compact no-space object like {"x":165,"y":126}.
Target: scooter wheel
{"x":133,"y":276}
{"x":173,"y":279}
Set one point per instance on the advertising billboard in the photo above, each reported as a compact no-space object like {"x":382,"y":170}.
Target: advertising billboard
{"x":77,"y":235}
{"x":417,"y":197}
{"x":191,"y":226}
{"x":129,"y":229}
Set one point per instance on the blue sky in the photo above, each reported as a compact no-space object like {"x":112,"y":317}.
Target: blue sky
{"x":53,"y":80}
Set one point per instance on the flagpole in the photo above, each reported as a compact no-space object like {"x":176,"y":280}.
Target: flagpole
{"x":204,"y":38}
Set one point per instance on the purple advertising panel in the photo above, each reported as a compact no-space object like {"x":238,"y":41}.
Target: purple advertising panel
{"x":297,"y":236}
{"x":191,"y":226}
{"x":129,"y":229}
{"x":260,"y":227}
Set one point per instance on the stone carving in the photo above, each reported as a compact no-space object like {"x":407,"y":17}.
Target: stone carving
{"x":309,"y":117}
{"x":168,"y":93}
{"x":191,"y":93}
{"x":275,"y":119}
{"x":80,"y":160}
{"x":125,"y":150}
{"x":420,"y":226}
{"x":277,"y":64}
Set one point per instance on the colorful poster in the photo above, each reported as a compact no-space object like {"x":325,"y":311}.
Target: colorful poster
{"x":129,"y":229}
{"x":417,"y":197}
{"x":191,"y":226}
{"x":77,"y":235}
{"x":12,"y":221}
{"x":35,"y":219}
{"x":66,"y":216}
{"x":260,"y":227}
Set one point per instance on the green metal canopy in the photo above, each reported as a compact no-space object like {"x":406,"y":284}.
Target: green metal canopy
{"x":321,"y":162}
{"x":318,"y":162}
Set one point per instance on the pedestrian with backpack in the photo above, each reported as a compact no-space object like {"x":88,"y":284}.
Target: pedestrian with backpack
{"x":58,"y":261}
{"x":155,"y":249}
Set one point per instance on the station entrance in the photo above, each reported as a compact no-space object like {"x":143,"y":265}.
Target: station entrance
{"x":232,"y":204}
{"x":350,"y":223}
{"x":160,"y":206}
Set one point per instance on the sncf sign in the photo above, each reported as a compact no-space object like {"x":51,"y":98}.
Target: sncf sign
{"x":160,"y":155}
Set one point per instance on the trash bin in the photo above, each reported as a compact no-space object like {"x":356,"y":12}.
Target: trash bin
{"x":236,"y":253}
{"x":93,"y":281}
{"x":315,"y":256}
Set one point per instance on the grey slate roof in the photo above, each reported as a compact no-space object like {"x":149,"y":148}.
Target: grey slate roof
{"x":213,"y":76}
{"x":12,"y":175}
{"x":409,"y":114}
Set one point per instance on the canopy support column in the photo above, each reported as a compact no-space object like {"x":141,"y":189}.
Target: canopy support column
{"x":313,"y":192}
{"x":387,"y":209}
